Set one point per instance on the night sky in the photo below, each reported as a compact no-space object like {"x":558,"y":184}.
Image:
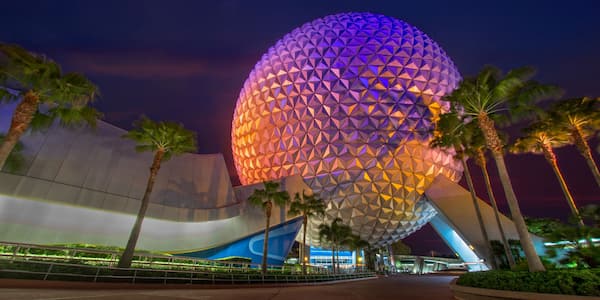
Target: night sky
{"x":187,"y":60}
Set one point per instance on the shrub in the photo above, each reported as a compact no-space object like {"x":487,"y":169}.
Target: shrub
{"x":523,"y":266}
{"x":569,"y":282}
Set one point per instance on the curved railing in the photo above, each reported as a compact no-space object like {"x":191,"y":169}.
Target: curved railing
{"x":18,"y":260}
{"x":46,"y":270}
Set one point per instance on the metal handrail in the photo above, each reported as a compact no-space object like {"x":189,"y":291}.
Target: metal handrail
{"x":132,"y":275}
{"x":143,"y":258}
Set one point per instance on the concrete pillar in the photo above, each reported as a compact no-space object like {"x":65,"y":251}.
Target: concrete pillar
{"x":391,"y":259}
{"x":379,"y":263}
{"x":418,"y":266}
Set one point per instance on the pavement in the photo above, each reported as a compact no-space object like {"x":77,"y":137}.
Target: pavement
{"x":393,"y":287}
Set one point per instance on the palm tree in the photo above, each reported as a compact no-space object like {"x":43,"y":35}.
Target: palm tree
{"x":450,"y":133}
{"x":579,"y":118}
{"x":370,"y":257}
{"x":164,"y":139}
{"x":484,"y":98}
{"x":477,"y":149}
{"x":308,"y":206}
{"x":265,"y":199}
{"x":334,"y":234}
{"x":15,"y":160}
{"x":44,"y":94}
{"x":326,"y":234}
{"x":356,"y":243}
{"x":541,"y":137}
{"x":343,"y":233}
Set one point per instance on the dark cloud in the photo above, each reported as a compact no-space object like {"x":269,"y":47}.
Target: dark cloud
{"x":136,"y":66}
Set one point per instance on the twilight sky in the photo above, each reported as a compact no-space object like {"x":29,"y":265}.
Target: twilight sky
{"x":187,"y":60}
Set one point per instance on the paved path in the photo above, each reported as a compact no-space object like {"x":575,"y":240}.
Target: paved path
{"x":395,"y":287}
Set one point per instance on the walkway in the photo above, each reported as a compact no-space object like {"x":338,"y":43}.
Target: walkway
{"x":394,"y":287}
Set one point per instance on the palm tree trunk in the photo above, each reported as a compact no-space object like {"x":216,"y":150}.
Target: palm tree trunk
{"x":584,"y":149}
{"x":127,"y":257}
{"x":263,"y":265}
{"x":21,"y":119}
{"x":495,"y":145}
{"x":305,"y":223}
{"x":486,"y":239}
{"x":533,"y":260}
{"x":337,"y":258}
{"x":333,"y":258}
{"x":490,"y":192}
{"x":551,"y":159}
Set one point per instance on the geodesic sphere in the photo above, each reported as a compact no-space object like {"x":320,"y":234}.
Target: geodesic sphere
{"x":348,"y":101}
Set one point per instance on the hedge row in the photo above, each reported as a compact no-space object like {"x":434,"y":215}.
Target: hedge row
{"x":569,"y":282}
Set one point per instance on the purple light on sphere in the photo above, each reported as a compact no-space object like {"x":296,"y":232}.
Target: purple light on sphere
{"x":348,"y":101}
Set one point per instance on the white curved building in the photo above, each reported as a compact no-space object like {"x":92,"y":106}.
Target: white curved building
{"x":85,"y":186}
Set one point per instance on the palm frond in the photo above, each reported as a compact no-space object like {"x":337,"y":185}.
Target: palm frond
{"x":537,"y":136}
{"x":582,"y":113}
{"x":24,"y":70}
{"x":75,"y":117}
{"x":257,"y":198}
{"x":512,"y":82}
{"x":523,"y":105}
{"x":6,"y":95}
{"x":269,"y":194}
{"x":171,"y":138}
{"x":41,"y":121}
{"x":67,"y":96}
{"x":307,"y":205}
{"x":296,"y":207}
{"x":449,"y":132}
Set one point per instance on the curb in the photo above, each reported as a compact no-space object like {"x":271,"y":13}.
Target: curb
{"x":49,"y":284}
{"x":472,"y":293}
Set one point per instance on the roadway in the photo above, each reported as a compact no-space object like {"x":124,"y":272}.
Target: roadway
{"x":393,"y":287}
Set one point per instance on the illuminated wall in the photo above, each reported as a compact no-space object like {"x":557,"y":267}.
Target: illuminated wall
{"x":348,"y":102}
{"x":100,"y":169}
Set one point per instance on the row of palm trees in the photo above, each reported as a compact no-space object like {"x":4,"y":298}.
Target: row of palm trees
{"x":491,"y":98}
{"x":336,"y":234}
{"x":339,"y":236}
{"x":304,"y":205}
{"x":568,"y":122}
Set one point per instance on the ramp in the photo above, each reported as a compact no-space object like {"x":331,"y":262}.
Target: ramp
{"x":456,"y":222}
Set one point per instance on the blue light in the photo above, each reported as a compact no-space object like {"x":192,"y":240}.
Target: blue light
{"x":281,"y":239}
